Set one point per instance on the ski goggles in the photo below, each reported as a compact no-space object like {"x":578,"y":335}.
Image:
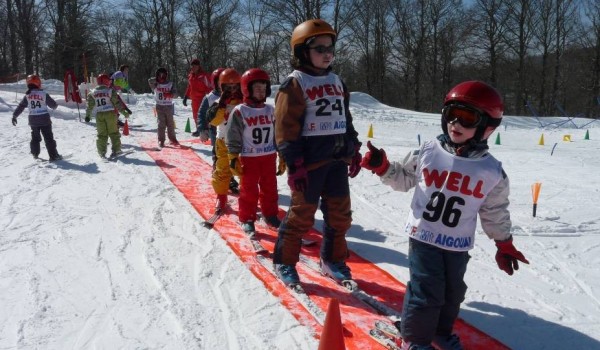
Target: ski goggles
{"x":465,"y":116}
{"x":323,"y":49}
{"x":230,"y":87}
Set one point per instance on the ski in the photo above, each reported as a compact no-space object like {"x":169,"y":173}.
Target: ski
{"x":210,"y":222}
{"x":383,"y":339}
{"x":352,"y":287}
{"x":298,"y":292}
{"x":258,"y":248}
{"x":391,"y":330}
{"x":256,"y":245}
{"x":46,"y":160}
{"x":122,"y":154}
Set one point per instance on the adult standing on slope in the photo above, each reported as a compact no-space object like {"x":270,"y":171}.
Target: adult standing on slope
{"x":199,"y":84}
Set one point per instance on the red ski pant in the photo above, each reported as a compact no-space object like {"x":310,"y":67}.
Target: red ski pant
{"x":195,"y":107}
{"x":258,"y":183}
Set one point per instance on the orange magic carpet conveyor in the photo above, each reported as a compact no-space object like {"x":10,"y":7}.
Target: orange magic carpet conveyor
{"x":192,"y":176}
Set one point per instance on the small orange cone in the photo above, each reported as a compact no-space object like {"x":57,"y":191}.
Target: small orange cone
{"x":126,"y":128}
{"x":332,"y":337}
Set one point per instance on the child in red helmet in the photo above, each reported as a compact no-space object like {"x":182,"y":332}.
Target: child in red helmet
{"x":252,"y":154}
{"x":455,"y":180}
{"x":38,"y":101}
{"x":102,"y":102}
{"x":164,"y":92}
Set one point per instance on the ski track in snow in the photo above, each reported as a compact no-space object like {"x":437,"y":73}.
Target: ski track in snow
{"x":111,"y":255}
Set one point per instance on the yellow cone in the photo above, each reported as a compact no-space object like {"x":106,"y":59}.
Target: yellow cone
{"x":567,"y":138}
{"x":541,"y":143}
{"x":370,"y":133}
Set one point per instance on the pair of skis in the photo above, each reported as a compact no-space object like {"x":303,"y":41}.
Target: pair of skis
{"x":384,"y":332}
{"x":387,"y":334}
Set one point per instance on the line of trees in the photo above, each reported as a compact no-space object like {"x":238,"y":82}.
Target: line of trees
{"x":406,"y":53}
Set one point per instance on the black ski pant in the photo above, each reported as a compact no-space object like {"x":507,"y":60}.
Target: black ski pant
{"x":36,"y":138}
{"x":434,"y":293}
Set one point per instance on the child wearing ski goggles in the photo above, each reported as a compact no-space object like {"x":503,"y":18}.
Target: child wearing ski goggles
{"x":465,"y":116}
{"x":323,"y":49}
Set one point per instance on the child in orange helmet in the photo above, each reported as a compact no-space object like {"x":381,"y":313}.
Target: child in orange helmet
{"x":315,"y":134}
{"x":38,"y":101}
{"x":231,"y":96}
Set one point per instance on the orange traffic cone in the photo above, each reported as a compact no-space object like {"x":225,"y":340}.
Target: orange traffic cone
{"x":332,"y":337}
{"x":126,"y":128}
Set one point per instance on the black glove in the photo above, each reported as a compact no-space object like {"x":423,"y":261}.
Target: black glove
{"x":185,"y":98}
{"x":14,"y":121}
{"x":128,"y":110}
{"x":87,"y":118}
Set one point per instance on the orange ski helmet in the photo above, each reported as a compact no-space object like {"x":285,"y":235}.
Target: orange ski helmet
{"x":35,"y":80}
{"x":308,"y":30}
{"x":229,"y":76}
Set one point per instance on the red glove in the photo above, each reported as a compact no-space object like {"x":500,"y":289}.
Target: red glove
{"x":375,"y":160}
{"x":297,"y":176}
{"x":508,"y":257}
{"x":354,"y":168}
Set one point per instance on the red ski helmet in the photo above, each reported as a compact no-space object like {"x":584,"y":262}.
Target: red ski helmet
{"x":253,"y":75}
{"x":483,"y":98}
{"x":103,"y":79}
{"x":214,"y":77}
{"x":35,"y":80}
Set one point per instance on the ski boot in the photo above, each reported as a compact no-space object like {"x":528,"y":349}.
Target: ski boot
{"x":272,"y":221}
{"x":248,"y":228}
{"x":447,"y":342}
{"x":287,"y":274}
{"x":406,"y":345}
{"x":115,"y":154}
{"x":55,"y":157}
{"x":339,"y":271}
{"x":234,"y":186}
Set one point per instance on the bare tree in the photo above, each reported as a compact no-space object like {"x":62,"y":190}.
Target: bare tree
{"x":592,"y":41}
{"x":255,"y":35}
{"x":69,"y":22}
{"x":565,"y":12}
{"x":518,"y":36}
{"x":492,"y":17}
{"x":371,"y":40}
{"x":27,"y":26}
{"x":212,"y":23}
